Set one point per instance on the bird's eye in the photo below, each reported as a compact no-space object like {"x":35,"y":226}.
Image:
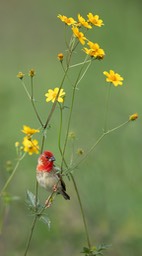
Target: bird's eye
{"x":47,"y":157}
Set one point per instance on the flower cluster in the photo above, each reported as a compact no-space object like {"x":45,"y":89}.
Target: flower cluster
{"x":92,"y":20}
{"x":94,"y":49}
{"x":30,"y":145}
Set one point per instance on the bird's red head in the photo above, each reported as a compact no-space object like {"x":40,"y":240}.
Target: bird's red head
{"x":45,"y":161}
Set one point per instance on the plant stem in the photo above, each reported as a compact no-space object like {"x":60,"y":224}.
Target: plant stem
{"x":25,"y":88}
{"x":71,"y":110}
{"x":79,"y":78}
{"x":82,"y":211}
{"x":11,"y":176}
{"x":34,"y":107}
{"x":79,"y":64}
{"x":98,"y":141}
{"x":31,"y":234}
{"x":117,"y":127}
{"x":107,"y":108}
{"x":38,"y":214}
{"x":60,"y":128}
{"x":75,"y":186}
{"x":33,"y":102}
{"x":84,"y":72}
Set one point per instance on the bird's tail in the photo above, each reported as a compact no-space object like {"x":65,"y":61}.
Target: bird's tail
{"x":65,"y":195}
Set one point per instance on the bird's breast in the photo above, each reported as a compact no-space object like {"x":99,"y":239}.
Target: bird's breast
{"x":47,"y":180}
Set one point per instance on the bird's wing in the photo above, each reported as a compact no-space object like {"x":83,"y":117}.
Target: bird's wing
{"x":57,"y":169}
{"x":62,"y":182}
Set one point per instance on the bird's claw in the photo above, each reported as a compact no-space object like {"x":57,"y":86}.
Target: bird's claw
{"x":55,"y":188}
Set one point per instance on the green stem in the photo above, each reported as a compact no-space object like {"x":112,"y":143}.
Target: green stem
{"x":31,"y":234}
{"x":84,"y":73}
{"x":107,"y":108}
{"x":32,"y":88}
{"x":60,"y":128}
{"x":11,"y":176}
{"x":64,"y":148}
{"x":37,"y":215}
{"x":117,"y":127}
{"x":34,"y":107}
{"x":33,"y":102}
{"x":25,"y":88}
{"x":70,"y":114}
{"x":97,"y":142}
{"x":79,"y":64}
{"x":74,"y":183}
{"x":80,"y":204}
{"x":82,"y":211}
{"x":43,"y":141}
{"x":68,"y":126}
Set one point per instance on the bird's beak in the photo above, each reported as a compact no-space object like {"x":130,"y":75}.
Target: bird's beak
{"x":51,"y":159}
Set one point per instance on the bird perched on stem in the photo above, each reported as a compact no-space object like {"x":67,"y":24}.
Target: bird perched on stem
{"x":47,"y":175}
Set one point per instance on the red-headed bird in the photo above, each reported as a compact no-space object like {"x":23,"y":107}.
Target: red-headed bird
{"x":48,"y":176}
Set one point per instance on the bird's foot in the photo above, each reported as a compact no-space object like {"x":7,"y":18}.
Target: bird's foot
{"x":55,"y":188}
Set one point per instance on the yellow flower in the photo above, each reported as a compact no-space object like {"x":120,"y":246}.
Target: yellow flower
{"x":133,"y":117}
{"x":66,"y":20}
{"x":32,"y":72}
{"x":20,"y":75}
{"x":30,"y":146}
{"x":83,"y":22}
{"x":29,"y":131}
{"x":79,"y":35}
{"x":52,"y":94}
{"x":113,"y":77}
{"x":60,"y":56}
{"x":94,"y":51}
{"x":94,"y":19}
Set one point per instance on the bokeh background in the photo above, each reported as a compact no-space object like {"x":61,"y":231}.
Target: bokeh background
{"x":110,"y":179}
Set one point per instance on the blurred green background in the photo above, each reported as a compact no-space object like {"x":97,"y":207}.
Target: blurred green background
{"x":109,"y":180}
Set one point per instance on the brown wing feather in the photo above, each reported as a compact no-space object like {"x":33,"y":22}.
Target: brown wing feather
{"x":62,"y":182}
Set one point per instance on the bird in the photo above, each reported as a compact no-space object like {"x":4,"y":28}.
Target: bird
{"x":48,"y":175}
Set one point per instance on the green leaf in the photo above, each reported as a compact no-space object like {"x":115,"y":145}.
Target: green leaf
{"x":31,"y":198}
{"x":45,"y":220}
{"x":94,"y":251}
{"x":31,"y":202}
{"x":86,"y":250}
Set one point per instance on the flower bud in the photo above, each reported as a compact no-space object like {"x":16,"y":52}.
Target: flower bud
{"x":17,"y":144}
{"x":20,"y":75}
{"x":60,"y":57}
{"x":32,"y":72}
{"x":133,"y":117}
{"x":80,"y":151}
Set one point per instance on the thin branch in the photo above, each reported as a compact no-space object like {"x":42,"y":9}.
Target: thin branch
{"x":12,"y":175}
